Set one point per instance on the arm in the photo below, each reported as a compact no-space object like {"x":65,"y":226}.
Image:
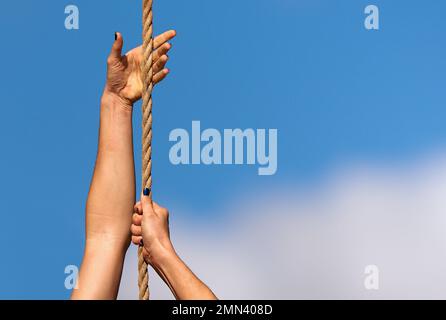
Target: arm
{"x":151,"y":229}
{"x":112,"y":191}
{"x":110,"y":199}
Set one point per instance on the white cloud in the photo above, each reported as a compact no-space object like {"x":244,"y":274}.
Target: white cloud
{"x":307,"y":243}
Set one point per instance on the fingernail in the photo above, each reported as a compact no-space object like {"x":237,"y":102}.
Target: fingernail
{"x":141,"y":243}
{"x":116,"y":36}
{"x":147,"y":192}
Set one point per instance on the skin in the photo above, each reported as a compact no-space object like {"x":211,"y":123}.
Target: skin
{"x":111,"y":198}
{"x":112,"y":192}
{"x":151,"y":229}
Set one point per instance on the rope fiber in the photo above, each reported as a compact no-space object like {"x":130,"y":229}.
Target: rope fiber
{"x":147,"y":72}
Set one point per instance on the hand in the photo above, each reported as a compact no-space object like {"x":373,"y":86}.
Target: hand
{"x":124,"y":72}
{"x":150,"y":227}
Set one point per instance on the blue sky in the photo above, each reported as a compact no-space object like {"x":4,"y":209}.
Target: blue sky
{"x":336,"y":92}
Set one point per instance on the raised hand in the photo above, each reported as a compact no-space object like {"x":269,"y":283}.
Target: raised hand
{"x":124,"y":76}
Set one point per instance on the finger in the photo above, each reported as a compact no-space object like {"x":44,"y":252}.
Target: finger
{"x":136,"y":240}
{"x":146,"y":201}
{"x":163,"y":38}
{"x":159,"y":64}
{"x":136,"y":230}
{"x":157,"y":78}
{"x":116,"y":51}
{"x":164,"y":49}
{"x":137,"y":208}
{"x":137,"y":219}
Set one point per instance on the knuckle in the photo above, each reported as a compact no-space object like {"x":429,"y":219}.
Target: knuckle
{"x":136,"y":240}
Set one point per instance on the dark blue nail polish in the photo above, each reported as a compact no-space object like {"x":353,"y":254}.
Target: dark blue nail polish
{"x":116,"y":36}
{"x":147,"y":192}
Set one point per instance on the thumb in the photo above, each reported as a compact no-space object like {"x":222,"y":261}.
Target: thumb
{"x":116,"y":50}
{"x":146,"y":202}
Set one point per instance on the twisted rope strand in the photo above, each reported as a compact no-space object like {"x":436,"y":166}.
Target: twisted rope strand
{"x":147,"y":71}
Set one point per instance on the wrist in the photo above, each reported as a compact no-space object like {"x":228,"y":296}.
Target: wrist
{"x":115,"y":124}
{"x":111,"y":100}
{"x":161,"y":256}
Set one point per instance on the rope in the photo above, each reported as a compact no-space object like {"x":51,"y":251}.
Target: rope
{"x":147,"y":71}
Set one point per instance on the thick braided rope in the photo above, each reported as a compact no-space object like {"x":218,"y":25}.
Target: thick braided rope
{"x":147,"y":71}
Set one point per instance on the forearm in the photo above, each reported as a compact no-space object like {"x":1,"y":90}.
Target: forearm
{"x":112,"y":192}
{"x":109,"y":204}
{"x":100,"y":272}
{"x":183,"y":283}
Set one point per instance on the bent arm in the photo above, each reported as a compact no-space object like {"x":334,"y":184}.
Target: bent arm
{"x":183,"y":283}
{"x":150,"y":228}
